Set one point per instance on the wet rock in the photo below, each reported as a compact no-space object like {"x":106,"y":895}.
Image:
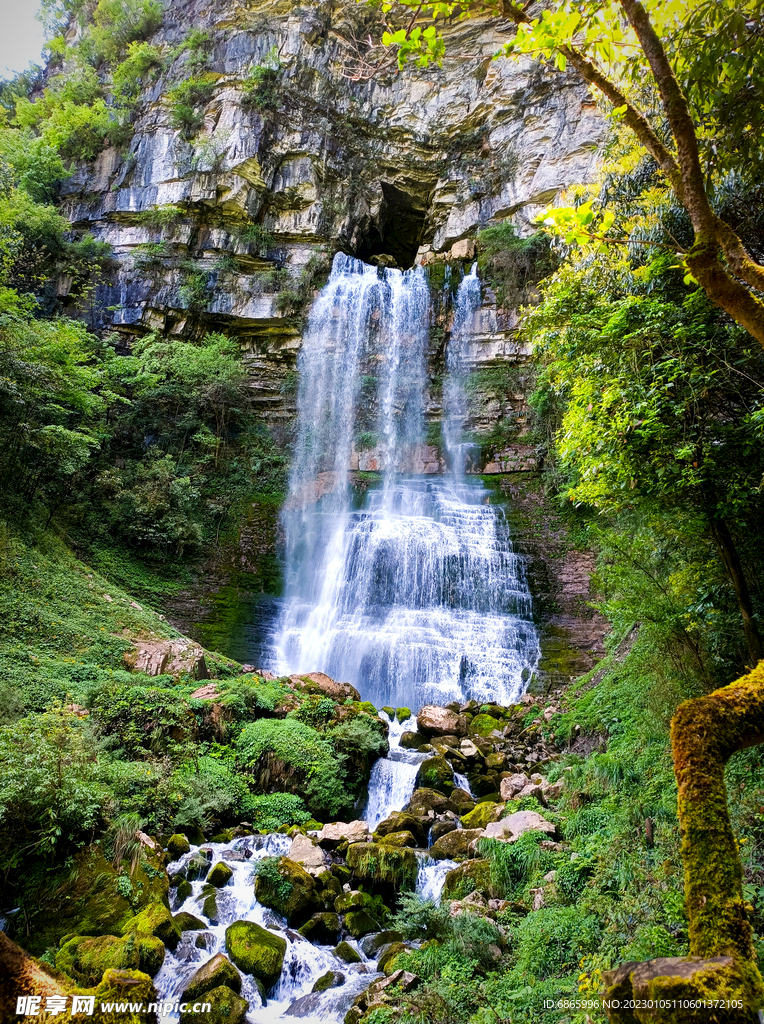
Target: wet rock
{"x":455,"y":845}
{"x":154,"y":920}
{"x":371,"y":943}
{"x":216,"y":972}
{"x":403,"y":714}
{"x":387,"y":954}
{"x":383,"y":867}
{"x":256,"y":951}
{"x":318,"y":682}
{"x":294,"y":897}
{"x":220,"y":875}
{"x":424,"y":800}
{"x":332,"y":835}
{"x":345,"y":952}
{"x":360,"y":923}
{"x":177,"y":846}
{"x":226,"y":1006}
{"x":436,"y":721}
{"x":482,"y":814}
{"x":184,"y":891}
{"x":85,"y":958}
{"x":402,"y":821}
{"x":410,"y":740}
{"x":198,"y":866}
{"x":305,"y":1006}
{"x":323,"y":929}
{"x":210,"y":905}
{"x":442,"y":828}
{"x":354,"y":900}
{"x":509,"y":829}
{"x":332,"y":979}
{"x":186,"y":922}
{"x":436,"y":773}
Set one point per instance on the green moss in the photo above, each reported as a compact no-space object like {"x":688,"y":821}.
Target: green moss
{"x":436,"y":773}
{"x":402,"y":714}
{"x":484,"y":725}
{"x":345,"y":952}
{"x":216,"y":972}
{"x":377,"y":864}
{"x":483,"y":813}
{"x":177,"y":846}
{"x":225,"y":1005}
{"x":85,"y":958}
{"x":285,"y":887}
{"x":471,"y":876}
{"x":220,"y":875}
{"x":256,"y":951}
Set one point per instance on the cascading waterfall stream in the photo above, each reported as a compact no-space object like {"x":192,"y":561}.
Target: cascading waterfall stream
{"x":417,"y":596}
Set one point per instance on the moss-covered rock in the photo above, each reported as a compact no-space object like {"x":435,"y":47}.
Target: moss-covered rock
{"x":371,"y":944}
{"x":383,"y":866}
{"x":424,"y":800}
{"x":220,"y":875}
{"x":85,"y":958}
{"x":177,"y":846}
{"x":486,"y":726}
{"x":399,"y":839}
{"x":332,"y":979}
{"x":402,"y":821}
{"x":256,"y":951}
{"x":455,"y":845}
{"x":210,"y":905}
{"x":121,"y":986}
{"x":155,"y":920}
{"x":345,"y":952}
{"x":354,"y":900}
{"x":403,"y":714}
{"x":322,"y":928}
{"x":199,"y":866}
{"x":186,"y":922}
{"x":185,"y":890}
{"x":227,"y":1007}
{"x":390,"y":712}
{"x":471,"y":876}
{"x":436,"y":773}
{"x":216,"y":972}
{"x":289,"y":890}
{"x":482,"y":814}
{"x":387,"y":955}
{"x":360,"y":923}
{"x":410,"y":740}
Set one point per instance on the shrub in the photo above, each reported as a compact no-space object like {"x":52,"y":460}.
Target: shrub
{"x":512,"y":265}
{"x":117,"y":23}
{"x":187,"y":101}
{"x":139,"y":719}
{"x":210,"y":792}
{"x":132,"y":75}
{"x":272,"y":810}
{"x":262,"y":83}
{"x":554,"y":939}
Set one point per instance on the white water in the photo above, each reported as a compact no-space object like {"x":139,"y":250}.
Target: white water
{"x":431,"y":877}
{"x":392,"y":777}
{"x":417,"y":596}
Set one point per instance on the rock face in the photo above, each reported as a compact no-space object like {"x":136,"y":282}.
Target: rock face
{"x":171,"y":657}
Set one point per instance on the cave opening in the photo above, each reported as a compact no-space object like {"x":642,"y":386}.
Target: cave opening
{"x":398,"y":231}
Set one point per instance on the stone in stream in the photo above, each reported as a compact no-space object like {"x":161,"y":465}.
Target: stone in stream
{"x":371,"y":943}
{"x":323,"y":929}
{"x":308,"y":854}
{"x":359,"y":923}
{"x":199,"y":865}
{"x":332,"y":979}
{"x":186,"y":922}
{"x":293,"y":896}
{"x":256,"y":951}
{"x":216,"y":972}
{"x":401,"y":821}
{"x":442,"y":828}
{"x":424,"y":800}
{"x":345,"y":952}
{"x":177,"y":846}
{"x":387,"y":954}
{"x":435,"y":773}
{"x":455,"y":845}
{"x":226,"y":1006}
{"x":410,"y":740}
{"x":220,"y":875}
{"x":333,"y":834}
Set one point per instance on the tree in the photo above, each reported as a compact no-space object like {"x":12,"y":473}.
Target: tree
{"x":699,"y":59}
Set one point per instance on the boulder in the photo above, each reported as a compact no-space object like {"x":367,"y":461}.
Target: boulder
{"x":436,"y":721}
{"x":402,"y":821}
{"x":293,"y":895}
{"x":154,"y":920}
{"x":305,"y":851}
{"x":183,"y":892}
{"x":220,"y":875}
{"x":345,"y":952}
{"x":402,"y":714}
{"x":177,"y":846}
{"x":442,"y":828}
{"x":226,"y":1006}
{"x":512,"y":785}
{"x":424,"y":800}
{"x":332,"y":835}
{"x":509,"y":829}
{"x":323,"y":929}
{"x":354,"y":900}
{"x":318,"y":682}
{"x":167,"y":657}
{"x":217,"y":971}
{"x":360,"y":923}
{"x":435,"y":773}
{"x":383,"y":866}
{"x":186,"y":922}
{"x":455,"y":845}
{"x":85,"y":958}
{"x":332,"y":979}
{"x":399,"y":839}
{"x":409,"y":740}
{"x":375,"y":941}
{"x":256,"y":951}
{"x":482,"y":814}
{"x":468,"y":877}
{"x":198,"y":866}
{"x":387,"y":954}
{"x":487,"y":727}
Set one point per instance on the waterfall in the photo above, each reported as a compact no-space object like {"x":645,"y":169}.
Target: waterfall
{"x":392,"y":777}
{"x":411,"y":591}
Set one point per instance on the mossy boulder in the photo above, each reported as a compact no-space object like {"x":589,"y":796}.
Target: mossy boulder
{"x":471,"y":876}
{"x":194,"y":834}
{"x":186,"y":922}
{"x":410,"y":740}
{"x":199,"y":866}
{"x":390,"y":712}
{"x":486,"y":726}
{"x":226,"y":1006}
{"x":373,"y":943}
{"x":121,"y":986}
{"x":177,"y":846}
{"x":345,"y":952}
{"x":399,"y":839}
{"x":436,"y":773}
{"x":216,"y":972}
{"x":482,"y":814}
{"x":184,"y":891}
{"x":84,"y":958}
{"x":403,"y":714}
{"x":455,"y":845}
{"x":383,"y":866}
{"x":323,"y":929}
{"x":289,"y":890}
{"x":210,"y":906}
{"x":360,"y":923}
{"x":425,"y":800}
{"x":256,"y":951}
{"x":155,"y":920}
{"x":387,"y":955}
{"x":332,"y":979}
{"x":220,"y":875}
{"x":402,"y":821}
{"x":354,"y":900}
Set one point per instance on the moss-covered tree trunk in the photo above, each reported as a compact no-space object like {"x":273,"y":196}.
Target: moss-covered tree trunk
{"x":705,"y":733}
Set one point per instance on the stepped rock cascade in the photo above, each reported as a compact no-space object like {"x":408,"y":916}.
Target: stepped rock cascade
{"x":393,"y":777}
{"x":417,"y":597}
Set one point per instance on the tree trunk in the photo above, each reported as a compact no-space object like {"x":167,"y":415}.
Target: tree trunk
{"x":726,"y":545}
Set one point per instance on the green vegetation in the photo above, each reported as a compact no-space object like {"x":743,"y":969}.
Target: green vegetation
{"x":262,"y":83}
{"x":513,"y":265}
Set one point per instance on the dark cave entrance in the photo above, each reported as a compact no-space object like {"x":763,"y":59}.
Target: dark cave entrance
{"x":398,"y":231}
